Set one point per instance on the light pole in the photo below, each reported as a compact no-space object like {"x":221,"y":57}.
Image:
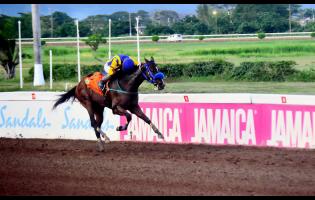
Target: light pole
{"x":229,"y":14}
{"x":216,"y":21}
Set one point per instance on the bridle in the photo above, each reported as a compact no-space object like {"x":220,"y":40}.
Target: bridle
{"x":149,"y":76}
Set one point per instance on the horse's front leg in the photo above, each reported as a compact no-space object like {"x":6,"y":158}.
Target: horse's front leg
{"x":120,"y":111}
{"x":94,"y":124}
{"x":99,"y":120}
{"x":138,"y":112}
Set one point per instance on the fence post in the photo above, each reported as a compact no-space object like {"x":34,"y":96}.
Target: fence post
{"x":50,"y":68}
{"x":109,"y":33}
{"x":20,"y":56}
{"x":138,"y":43}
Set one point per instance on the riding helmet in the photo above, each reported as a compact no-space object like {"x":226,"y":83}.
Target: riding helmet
{"x":128,"y":65}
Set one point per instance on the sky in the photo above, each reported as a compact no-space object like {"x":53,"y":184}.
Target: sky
{"x":81,"y":11}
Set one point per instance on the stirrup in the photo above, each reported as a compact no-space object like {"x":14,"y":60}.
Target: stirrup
{"x":102,"y":87}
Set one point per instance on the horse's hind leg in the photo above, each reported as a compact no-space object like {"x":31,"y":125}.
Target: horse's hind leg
{"x":120,"y":111}
{"x":83,"y":95}
{"x":138,"y":112}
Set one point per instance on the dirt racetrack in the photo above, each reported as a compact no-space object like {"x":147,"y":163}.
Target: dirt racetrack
{"x":69,"y":167}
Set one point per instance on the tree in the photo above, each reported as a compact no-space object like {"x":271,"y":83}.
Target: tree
{"x":191,"y":25}
{"x":152,"y":29}
{"x":94,"y":41}
{"x":250,"y":18}
{"x":165,"y":17}
{"x":309,"y":12}
{"x":144,"y":17}
{"x":204,"y":13}
{"x":310,"y":27}
{"x":120,"y":16}
{"x":26,"y":25}
{"x":64,"y":25}
{"x":9,"y":58}
{"x":261,"y":35}
{"x":97,"y":24}
{"x":120,"y":28}
{"x":155,"y":38}
{"x":66,"y":30}
{"x":8,"y":26}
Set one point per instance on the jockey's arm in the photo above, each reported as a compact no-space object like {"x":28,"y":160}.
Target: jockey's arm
{"x":114,"y":65}
{"x":135,"y":61}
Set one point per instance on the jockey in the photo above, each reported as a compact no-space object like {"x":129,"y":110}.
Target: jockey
{"x":114,"y":64}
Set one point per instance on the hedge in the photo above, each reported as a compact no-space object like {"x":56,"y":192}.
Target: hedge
{"x":196,"y":69}
{"x":219,"y":69}
{"x":67,"y":71}
{"x":264,"y":71}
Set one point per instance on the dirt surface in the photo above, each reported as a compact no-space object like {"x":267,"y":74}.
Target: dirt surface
{"x":69,"y":167}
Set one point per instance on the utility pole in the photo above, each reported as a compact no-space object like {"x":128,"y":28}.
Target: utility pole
{"x":38,"y":67}
{"x":289,"y":18}
{"x":130,"y":25}
{"x":51,"y":23}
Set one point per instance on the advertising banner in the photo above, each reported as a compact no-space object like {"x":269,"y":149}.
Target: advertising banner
{"x":231,"y":119}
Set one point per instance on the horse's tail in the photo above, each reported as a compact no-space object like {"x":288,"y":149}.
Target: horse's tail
{"x":65,"y":97}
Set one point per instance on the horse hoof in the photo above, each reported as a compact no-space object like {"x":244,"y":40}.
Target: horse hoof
{"x":100,"y":149}
{"x":100,"y":146}
{"x":161,"y":136}
{"x":107,"y":141}
{"x":120,"y":128}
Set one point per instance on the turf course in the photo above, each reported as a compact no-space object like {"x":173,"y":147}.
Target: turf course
{"x":300,"y":51}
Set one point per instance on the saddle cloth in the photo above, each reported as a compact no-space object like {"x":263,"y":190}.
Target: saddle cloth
{"x":92,"y":82}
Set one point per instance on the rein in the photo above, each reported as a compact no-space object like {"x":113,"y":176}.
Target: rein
{"x":120,"y":90}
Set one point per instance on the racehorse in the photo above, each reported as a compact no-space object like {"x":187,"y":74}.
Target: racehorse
{"x":121,"y":96}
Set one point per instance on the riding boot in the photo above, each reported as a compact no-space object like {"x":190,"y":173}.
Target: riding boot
{"x":102,"y":82}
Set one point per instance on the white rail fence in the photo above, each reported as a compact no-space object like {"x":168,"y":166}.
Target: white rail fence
{"x":164,"y":37}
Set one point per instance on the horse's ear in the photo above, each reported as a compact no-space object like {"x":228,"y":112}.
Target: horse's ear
{"x":152,"y":59}
{"x":142,"y":67}
{"x":146,"y":60}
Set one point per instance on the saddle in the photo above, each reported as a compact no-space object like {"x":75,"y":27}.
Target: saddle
{"x":92,"y":81}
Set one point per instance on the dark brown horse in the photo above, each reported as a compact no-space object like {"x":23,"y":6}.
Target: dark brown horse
{"x":121,"y":97}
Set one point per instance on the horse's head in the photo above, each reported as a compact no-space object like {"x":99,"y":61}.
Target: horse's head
{"x":151,"y":73}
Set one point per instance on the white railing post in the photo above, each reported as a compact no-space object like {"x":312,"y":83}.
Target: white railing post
{"x":20,"y":56}
{"x":50,"y":69}
{"x":78,"y":47}
{"x":109,"y":33}
{"x":138,"y":43}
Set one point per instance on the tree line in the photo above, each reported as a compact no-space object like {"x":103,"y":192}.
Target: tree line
{"x":209,"y":19}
